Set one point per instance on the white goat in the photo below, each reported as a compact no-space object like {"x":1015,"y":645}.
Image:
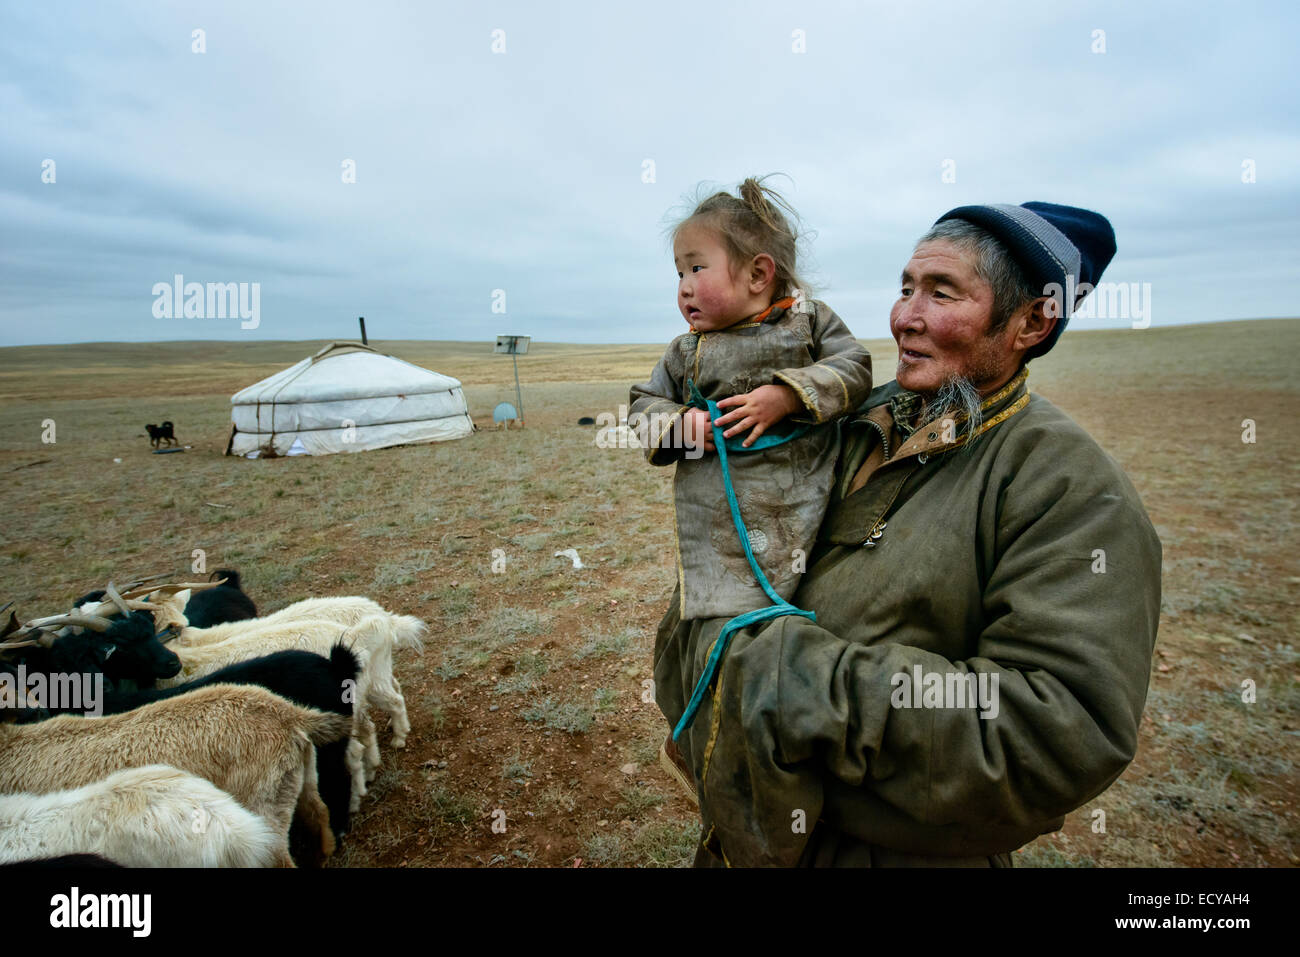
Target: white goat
{"x":251,"y":743}
{"x":154,"y":816}
{"x":372,"y":640}
{"x":342,"y":610}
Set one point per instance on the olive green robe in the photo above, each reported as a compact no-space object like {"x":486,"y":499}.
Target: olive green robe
{"x":1025,"y":557}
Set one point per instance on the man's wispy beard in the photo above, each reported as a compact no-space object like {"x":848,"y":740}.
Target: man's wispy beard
{"x":955,"y":405}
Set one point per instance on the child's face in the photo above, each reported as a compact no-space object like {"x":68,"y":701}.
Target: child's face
{"x":708,"y":294}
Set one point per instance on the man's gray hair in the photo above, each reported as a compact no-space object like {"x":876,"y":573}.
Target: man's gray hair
{"x":993,"y":264}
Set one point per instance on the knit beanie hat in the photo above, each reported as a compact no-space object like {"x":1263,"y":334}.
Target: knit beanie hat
{"x":1064,"y":245}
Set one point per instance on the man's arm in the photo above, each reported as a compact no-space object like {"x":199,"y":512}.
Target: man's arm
{"x":1070,"y":649}
{"x":840,"y":379}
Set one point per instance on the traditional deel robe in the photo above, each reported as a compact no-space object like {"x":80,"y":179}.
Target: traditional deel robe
{"x":1026,"y":557}
{"x":782,"y":490}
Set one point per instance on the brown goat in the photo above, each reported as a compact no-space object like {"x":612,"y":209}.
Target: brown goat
{"x":251,"y":743}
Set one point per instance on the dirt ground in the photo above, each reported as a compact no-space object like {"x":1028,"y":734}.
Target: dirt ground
{"x":534,"y":735}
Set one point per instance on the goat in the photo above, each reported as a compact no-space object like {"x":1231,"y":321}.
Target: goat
{"x":127,"y":650}
{"x":285,"y":629}
{"x":89,"y":597}
{"x":251,"y":743}
{"x":225,"y":603}
{"x":90,"y":610}
{"x":302,"y":677}
{"x":372,"y":640}
{"x":344,"y":611}
{"x":171,"y":605}
{"x":161,"y":433}
{"x":152,"y":816}
{"x":109,"y":601}
{"x":347,"y":611}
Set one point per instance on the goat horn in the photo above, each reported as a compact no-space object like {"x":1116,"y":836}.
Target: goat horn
{"x":174,"y":588}
{"x":7,"y":606}
{"x":139,"y":591}
{"x":39,"y":623}
{"x":137,"y":582}
{"x":201,"y":586}
{"x":42,"y":622}
{"x":116,"y":599}
{"x":93,"y":622}
{"x":28,"y":634}
{"x":7,"y":645}
{"x":108,"y":607}
{"x":141,"y":586}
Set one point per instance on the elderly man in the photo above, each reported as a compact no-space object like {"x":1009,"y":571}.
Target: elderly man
{"x":986,"y":584}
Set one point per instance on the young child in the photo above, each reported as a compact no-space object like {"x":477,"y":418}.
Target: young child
{"x":773,"y":362}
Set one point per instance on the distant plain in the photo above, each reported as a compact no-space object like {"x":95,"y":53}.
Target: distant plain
{"x":531,"y":688}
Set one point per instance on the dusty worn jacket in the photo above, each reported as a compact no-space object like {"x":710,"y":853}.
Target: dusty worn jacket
{"x":1027,"y":556}
{"x":782,"y":490}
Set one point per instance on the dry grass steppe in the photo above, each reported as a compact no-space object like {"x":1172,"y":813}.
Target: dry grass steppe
{"x":529,"y":697}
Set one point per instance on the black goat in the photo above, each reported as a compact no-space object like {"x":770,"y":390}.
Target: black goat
{"x":128,"y":651}
{"x":216,"y":606}
{"x":161,"y":433}
{"x":127,"y":654}
{"x":97,"y":595}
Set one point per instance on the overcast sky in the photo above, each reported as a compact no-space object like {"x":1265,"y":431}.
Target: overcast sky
{"x":525,"y":170}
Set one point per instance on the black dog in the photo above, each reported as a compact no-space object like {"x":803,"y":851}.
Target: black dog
{"x":160,"y":433}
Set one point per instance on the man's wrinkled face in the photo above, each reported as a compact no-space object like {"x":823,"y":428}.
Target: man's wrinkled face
{"x":941,"y":322}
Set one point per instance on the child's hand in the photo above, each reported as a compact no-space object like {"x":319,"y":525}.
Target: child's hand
{"x":696,"y":430}
{"x":758,"y":411}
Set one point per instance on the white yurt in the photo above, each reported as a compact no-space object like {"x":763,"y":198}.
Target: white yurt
{"x":346,"y":398}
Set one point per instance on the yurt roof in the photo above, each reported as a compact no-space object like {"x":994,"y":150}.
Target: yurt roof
{"x":345,"y":370}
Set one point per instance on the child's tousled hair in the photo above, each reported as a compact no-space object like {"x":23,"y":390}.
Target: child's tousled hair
{"x":751,"y":224}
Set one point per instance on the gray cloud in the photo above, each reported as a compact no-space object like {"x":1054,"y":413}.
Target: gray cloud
{"x":523,"y":171}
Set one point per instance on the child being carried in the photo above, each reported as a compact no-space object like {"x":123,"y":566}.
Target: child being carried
{"x":774,"y":363}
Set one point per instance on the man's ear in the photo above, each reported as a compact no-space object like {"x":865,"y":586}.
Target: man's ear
{"x":1035,"y":323}
{"x":762,"y":270}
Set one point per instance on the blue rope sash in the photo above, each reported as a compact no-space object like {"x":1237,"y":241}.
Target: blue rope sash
{"x":779,"y":606}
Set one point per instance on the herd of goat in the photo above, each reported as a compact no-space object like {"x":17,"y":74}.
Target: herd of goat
{"x":220,"y":738}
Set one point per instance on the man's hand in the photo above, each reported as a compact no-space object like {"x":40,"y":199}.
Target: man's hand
{"x":758,"y":411}
{"x":696,"y":430}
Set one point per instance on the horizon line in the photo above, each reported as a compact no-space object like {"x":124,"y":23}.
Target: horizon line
{"x":556,"y":342}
